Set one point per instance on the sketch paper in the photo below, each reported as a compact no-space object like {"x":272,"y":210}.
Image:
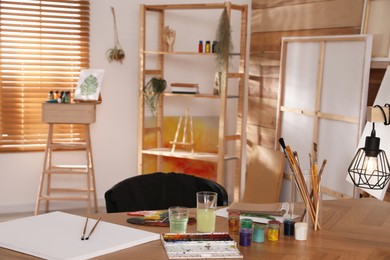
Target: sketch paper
{"x":57,"y":235}
{"x":89,"y":85}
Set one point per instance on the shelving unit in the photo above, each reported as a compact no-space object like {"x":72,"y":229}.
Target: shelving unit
{"x":75,"y":113}
{"x":147,"y":70}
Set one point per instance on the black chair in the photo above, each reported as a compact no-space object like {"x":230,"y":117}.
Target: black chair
{"x":159,"y":190}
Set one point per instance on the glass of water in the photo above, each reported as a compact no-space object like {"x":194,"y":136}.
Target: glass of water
{"x":178,"y":219}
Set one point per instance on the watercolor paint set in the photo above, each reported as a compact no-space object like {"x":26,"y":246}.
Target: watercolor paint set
{"x":200,"y":245}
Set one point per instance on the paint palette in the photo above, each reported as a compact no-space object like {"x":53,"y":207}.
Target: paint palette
{"x":200,"y":245}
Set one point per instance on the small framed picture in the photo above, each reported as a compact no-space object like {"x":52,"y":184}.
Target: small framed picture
{"x":89,"y":85}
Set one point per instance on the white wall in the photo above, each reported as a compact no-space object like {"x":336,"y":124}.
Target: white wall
{"x":114,"y":135}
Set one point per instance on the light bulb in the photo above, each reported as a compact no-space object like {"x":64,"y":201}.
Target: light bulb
{"x":370,"y":164}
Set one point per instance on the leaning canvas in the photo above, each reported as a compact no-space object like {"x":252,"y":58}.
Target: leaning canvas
{"x":89,"y":85}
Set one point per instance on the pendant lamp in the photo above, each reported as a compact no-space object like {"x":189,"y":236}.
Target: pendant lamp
{"x":370,"y":168}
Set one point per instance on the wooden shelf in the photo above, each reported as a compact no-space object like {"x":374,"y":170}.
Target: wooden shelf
{"x":168,"y":94}
{"x":210,"y":157}
{"x":155,"y":62}
{"x":185,"y":53}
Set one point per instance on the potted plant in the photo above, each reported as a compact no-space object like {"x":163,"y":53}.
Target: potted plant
{"x":152,"y":91}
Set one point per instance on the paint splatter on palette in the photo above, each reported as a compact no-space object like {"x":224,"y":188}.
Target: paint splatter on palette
{"x":200,"y":245}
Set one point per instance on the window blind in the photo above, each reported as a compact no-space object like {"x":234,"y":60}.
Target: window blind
{"x":43,"y":47}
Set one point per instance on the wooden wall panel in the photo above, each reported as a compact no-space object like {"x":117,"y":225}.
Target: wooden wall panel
{"x":271,"y":41}
{"x":315,"y":15}
{"x":273,"y":19}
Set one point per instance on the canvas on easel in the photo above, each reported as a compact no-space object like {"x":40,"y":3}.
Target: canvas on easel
{"x":89,"y":85}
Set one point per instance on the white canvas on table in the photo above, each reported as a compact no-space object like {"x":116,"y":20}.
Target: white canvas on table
{"x":57,"y":235}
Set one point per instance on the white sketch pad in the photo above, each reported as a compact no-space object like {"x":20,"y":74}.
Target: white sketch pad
{"x":382,"y":131}
{"x":57,"y":235}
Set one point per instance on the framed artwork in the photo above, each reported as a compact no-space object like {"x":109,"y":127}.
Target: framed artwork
{"x":89,"y":85}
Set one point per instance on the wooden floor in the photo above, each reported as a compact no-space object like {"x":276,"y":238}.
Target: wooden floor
{"x":11,"y":216}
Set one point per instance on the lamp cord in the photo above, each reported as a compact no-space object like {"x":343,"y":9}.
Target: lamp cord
{"x":387,"y":120}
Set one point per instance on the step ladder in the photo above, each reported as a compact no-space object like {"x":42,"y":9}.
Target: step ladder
{"x":76,"y":113}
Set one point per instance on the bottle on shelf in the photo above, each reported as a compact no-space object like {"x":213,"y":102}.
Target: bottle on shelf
{"x":208,"y":47}
{"x":200,"y":47}
{"x":214,"y":47}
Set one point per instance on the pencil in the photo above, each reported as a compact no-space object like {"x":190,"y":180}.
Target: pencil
{"x":90,"y":233}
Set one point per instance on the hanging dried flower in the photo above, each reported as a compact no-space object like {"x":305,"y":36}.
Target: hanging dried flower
{"x":116,"y":53}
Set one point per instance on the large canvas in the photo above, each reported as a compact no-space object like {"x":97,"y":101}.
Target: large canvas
{"x":323,"y":96}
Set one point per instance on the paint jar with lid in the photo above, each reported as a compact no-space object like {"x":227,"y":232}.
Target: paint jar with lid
{"x":273,"y":230}
{"x":234,"y":221}
{"x":245,"y":236}
{"x":288,"y":227}
{"x":246,"y":223}
{"x":258,"y":232}
{"x":301,"y":231}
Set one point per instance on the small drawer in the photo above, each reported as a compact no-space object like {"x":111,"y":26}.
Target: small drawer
{"x":74,"y":113}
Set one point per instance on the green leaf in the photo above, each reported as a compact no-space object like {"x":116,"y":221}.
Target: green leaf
{"x":89,"y":85}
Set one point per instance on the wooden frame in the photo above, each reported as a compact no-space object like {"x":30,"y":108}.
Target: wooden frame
{"x":323,"y":92}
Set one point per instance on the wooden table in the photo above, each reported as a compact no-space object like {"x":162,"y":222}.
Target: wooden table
{"x":351,"y":229}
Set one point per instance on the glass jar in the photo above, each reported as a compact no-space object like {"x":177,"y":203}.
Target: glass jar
{"x":245,"y":236}
{"x":234,"y":221}
{"x":273,"y":230}
{"x":258,"y":233}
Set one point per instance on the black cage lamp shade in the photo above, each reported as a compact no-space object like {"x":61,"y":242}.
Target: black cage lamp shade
{"x":370,"y":168}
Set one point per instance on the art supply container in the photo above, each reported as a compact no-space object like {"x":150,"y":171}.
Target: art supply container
{"x":245,"y":236}
{"x":258,"y":233}
{"x":246,"y":223}
{"x":288,"y":227}
{"x":273,"y":230}
{"x":206,"y":211}
{"x":234,"y":221}
{"x":178,"y":219}
{"x":306,"y":206}
{"x":301,"y":231}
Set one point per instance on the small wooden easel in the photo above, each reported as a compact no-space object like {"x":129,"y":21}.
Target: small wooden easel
{"x":187,"y":145}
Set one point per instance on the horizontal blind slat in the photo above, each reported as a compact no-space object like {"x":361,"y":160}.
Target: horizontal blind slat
{"x":44,"y":45}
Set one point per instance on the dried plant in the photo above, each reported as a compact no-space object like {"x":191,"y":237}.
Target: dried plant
{"x":116,"y":53}
{"x":225,"y":44}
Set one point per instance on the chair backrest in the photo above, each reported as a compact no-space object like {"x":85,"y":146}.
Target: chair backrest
{"x":159,"y":190}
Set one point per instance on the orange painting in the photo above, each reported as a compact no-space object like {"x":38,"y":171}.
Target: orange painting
{"x":205,"y":140}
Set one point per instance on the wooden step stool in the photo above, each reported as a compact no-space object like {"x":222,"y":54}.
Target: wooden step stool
{"x":74,"y":113}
